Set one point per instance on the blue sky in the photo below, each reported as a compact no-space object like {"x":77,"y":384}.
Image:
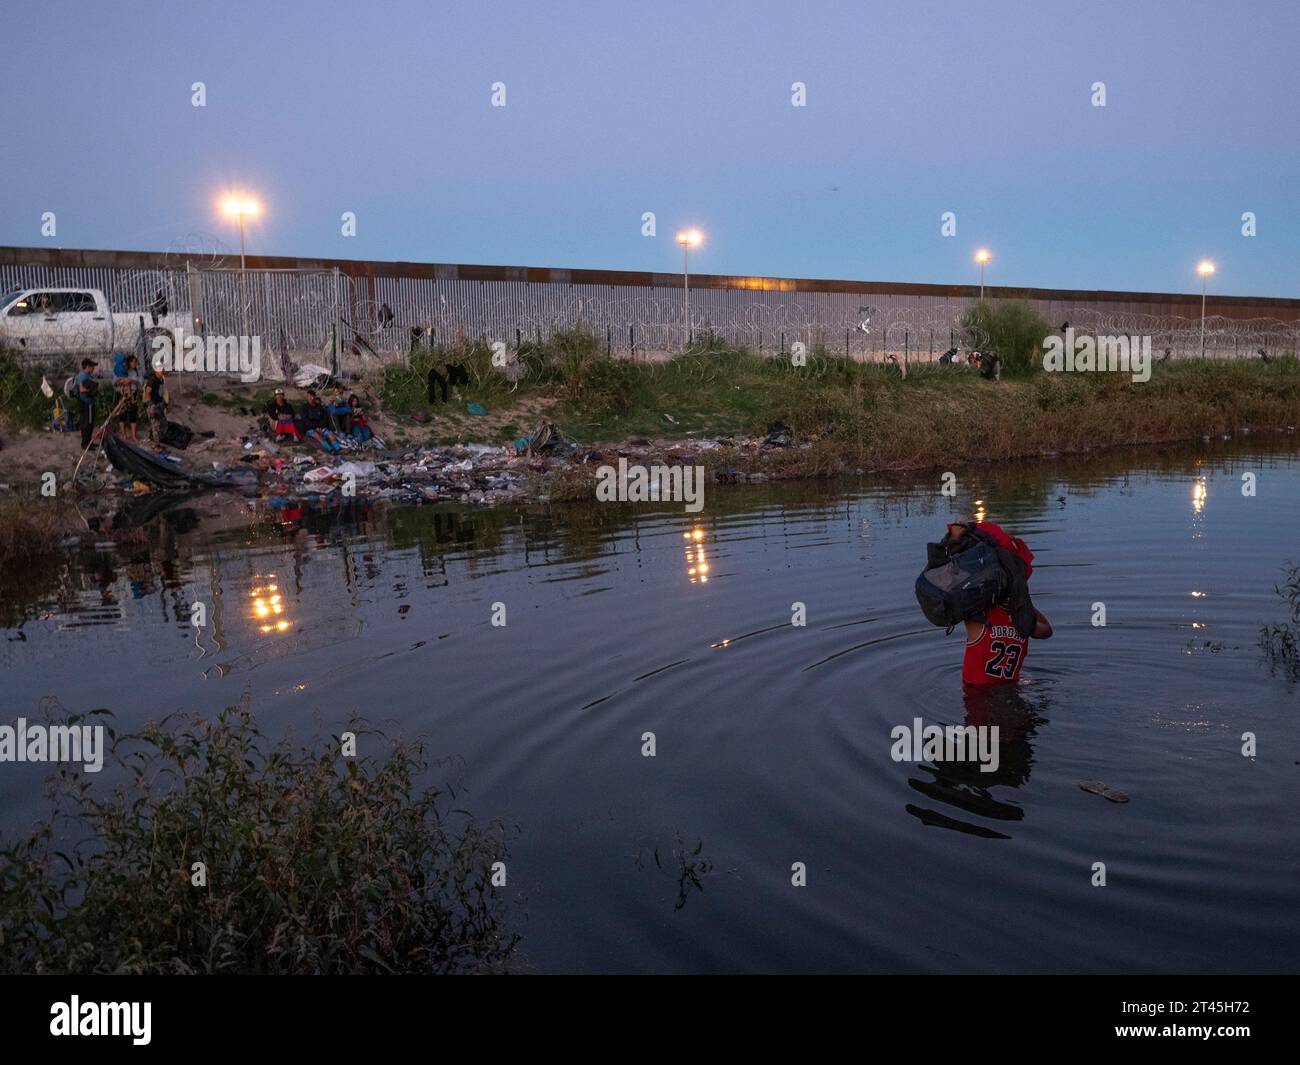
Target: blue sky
{"x":683,"y":109}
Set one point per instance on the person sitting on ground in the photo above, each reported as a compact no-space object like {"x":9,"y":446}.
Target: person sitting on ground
{"x":991,"y":367}
{"x":340,"y":412}
{"x":127,"y":387}
{"x":360,"y":427}
{"x":995,"y":651}
{"x":316,"y":425}
{"x":155,"y":405}
{"x":282,"y":418}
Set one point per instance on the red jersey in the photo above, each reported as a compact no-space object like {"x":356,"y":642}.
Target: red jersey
{"x":997,"y":655}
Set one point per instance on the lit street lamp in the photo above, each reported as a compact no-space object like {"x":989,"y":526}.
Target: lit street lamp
{"x":241,"y":207}
{"x":982,"y":256}
{"x":688,"y":239}
{"x":1205,"y":269}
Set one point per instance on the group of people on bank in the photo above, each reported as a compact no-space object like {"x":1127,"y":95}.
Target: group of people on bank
{"x":332,"y":426}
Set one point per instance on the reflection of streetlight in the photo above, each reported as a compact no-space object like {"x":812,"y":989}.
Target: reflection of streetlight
{"x":1199,"y":492}
{"x":687,"y":239}
{"x":268,"y":609}
{"x":982,"y":256}
{"x":697,"y":562}
{"x":241,"y":207}
{"x":1205,"y":269}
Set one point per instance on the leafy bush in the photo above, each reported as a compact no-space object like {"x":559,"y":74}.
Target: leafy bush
{"x":315,"y":863}
{"x":21,"y":401}
{"x":1011,"y":329}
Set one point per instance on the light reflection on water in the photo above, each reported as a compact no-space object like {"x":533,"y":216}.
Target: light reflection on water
{"x":772,"y":739}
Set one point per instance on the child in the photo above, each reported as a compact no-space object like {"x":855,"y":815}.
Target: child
{"x":340,"y":412}
{"x":995,"y":650}
{"x":360,"y":427}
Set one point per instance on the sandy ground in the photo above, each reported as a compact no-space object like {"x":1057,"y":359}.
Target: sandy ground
{"x":27,"y":454}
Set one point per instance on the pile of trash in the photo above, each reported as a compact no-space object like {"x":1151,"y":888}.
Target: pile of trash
{"x":477,"y":474}
{"x":473,"y":474}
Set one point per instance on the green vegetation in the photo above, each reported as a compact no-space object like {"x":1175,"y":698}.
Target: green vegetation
{"x":866,"y":415}
{"x":1281,"y":643}
{"x":1011,"y":329}
{"x":316,"y":863}
{"x":22,"y":406}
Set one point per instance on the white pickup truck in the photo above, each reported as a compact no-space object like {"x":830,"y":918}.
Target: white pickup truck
{"x":48,"y":322}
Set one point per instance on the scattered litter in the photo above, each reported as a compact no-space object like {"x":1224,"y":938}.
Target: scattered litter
{"x":359,"y":470}
{"x":778,"y":435}
{"x":476,"y":409}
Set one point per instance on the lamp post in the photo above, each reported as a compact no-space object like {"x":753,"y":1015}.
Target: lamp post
{"x":982,"y":256}
{"x":1205,"y":269}
{"x":687,"y":239}
{"x":241,"y":207}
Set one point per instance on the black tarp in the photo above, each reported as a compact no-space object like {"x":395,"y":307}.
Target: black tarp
{"x":145,"y":466}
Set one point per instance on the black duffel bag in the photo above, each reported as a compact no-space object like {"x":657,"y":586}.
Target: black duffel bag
{"x":957,"y":586}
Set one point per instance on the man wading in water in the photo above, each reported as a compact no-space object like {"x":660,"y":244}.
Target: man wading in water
{"x":995,"y":651}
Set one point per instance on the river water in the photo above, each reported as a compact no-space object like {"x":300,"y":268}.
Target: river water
{"x":772,"y":740}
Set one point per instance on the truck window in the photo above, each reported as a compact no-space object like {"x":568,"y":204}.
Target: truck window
{"x":81,"y":302}
{"x":34,"y":303}
{"x":71,"y":302}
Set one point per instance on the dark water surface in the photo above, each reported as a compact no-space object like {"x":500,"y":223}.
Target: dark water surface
{"x":773,"y":741}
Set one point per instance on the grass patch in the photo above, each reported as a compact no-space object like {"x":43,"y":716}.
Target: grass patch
{"x":316,"y":863}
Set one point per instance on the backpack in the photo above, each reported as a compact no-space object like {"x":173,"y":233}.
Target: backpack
{"x":960,"y":581}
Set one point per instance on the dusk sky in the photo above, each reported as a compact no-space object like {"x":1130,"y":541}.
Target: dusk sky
{"x":683,"y":109}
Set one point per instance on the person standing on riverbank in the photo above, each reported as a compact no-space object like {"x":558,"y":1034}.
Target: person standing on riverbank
{"x":87,"y":389}
{"x":155,"y":402}
{"x":127,"y":387}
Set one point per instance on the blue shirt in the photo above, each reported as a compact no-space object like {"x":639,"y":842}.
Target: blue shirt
{"x":86,"y":381}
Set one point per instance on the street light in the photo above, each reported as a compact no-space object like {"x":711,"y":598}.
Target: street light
{"x":982,"y":256}
{"x":687,"y":239}
{"x":241,"y":207}
{"x":1205,"y":269}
